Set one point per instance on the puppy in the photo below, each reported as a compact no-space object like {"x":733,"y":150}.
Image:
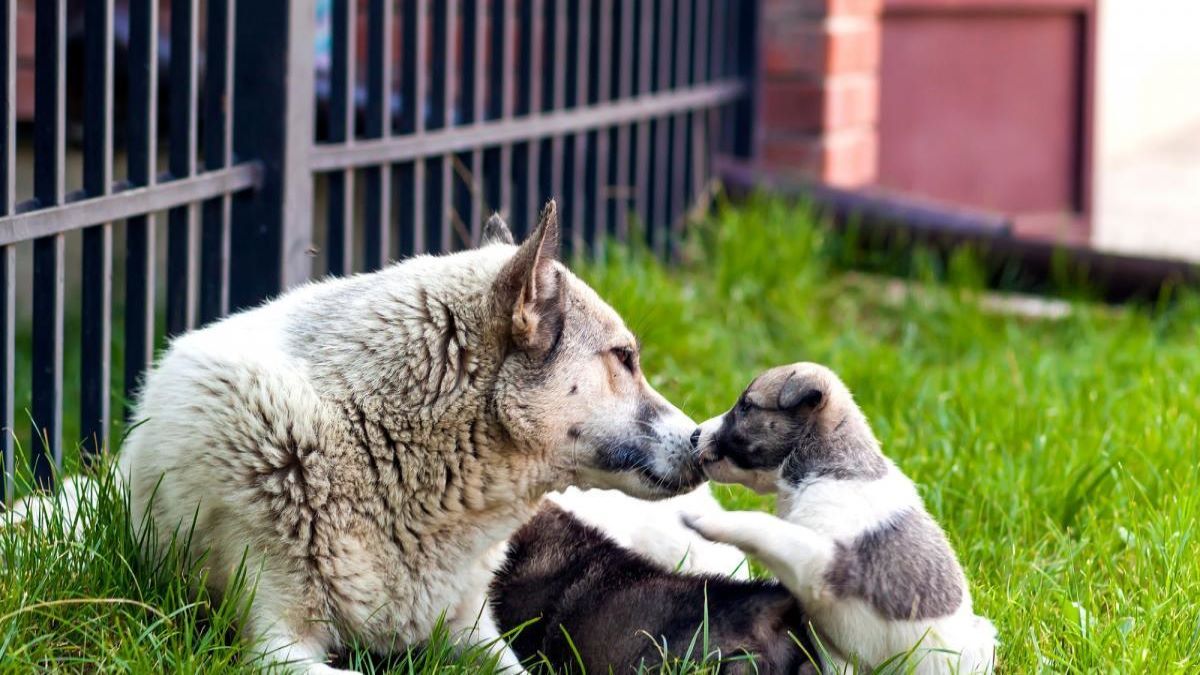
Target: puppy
{"x":873,"y":571}
{"x":579,"y":599}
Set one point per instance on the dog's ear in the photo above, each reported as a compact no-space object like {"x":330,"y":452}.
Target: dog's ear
{"x":531,"y":286}
{"x":798,"y":394}
{"x":495,"y":231}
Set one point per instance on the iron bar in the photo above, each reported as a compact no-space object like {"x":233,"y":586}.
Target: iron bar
{"x":181,"y":221}
{"x":679,"y":127}
{"x":8,"y":257}
{"x":577,"y":209}
{"x":325,"y":158}
{"x":340,"y":204}
{"x":142,"y":154}
{"x":218,"y":154}
{"x":129,"y":203}
{"x":49,"y":141}
{"x":96,"y":337}
{"x":378,"y":207}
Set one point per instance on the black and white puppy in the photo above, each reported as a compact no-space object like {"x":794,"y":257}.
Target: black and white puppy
{"x":853,"y":541}
{"x":622,"y":612}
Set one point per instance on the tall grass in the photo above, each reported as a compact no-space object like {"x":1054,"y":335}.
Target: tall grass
{"x":1062,"y":456}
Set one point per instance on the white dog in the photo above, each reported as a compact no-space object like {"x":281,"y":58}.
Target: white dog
{"x":366,"y":445}
{"x":853,"y":540}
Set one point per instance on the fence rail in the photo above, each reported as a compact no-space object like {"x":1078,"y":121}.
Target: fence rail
{"x":302,"y":140}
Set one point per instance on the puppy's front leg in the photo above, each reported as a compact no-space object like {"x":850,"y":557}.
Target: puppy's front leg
{"x":796,"y":555}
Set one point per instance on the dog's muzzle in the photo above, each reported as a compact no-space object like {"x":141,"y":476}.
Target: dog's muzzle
{"x":704,"y":443}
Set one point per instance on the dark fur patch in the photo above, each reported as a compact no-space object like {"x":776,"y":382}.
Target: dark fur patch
{"x":768,"y":439}
{"x":565,"y":573}
{"x":647,"y":414}
{"x":846,"y":453}
{"x":746,"y":439}
{"x":905,"y":569}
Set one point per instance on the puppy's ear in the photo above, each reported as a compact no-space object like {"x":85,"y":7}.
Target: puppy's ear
{"x":795,"y":394}
{"x":530,"y":287}
{"x":496,"y":231}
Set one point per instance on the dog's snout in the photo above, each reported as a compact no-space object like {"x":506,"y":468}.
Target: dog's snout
{"x":704,"y":444}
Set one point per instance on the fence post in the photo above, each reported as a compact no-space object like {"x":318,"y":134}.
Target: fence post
{"x":747,"y":134}
{"x":273,"y":124}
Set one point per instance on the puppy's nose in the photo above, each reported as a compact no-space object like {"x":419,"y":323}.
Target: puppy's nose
{"x":696,"y":438}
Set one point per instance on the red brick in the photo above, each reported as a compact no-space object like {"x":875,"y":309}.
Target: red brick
{"x":841,"y":102}
{"x":795,"y":48}
{"x":845,"y":159}
{"x":869,"y":8}
{"x":792,"y":9}
{"x":25,"y":32}
{"x":793,"y":105}
{"x":801,"y":156}
{"x":851,"y":101}
{"x":816,"y":48}
{"x":850,"y":158}
{"x":820,"y":89}
{"x":25,"y":92}
{"x":853,"y":47}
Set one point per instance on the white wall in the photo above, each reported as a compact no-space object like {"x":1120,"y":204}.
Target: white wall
{"x":1149,"y":72}
{"x":1147,"y":152}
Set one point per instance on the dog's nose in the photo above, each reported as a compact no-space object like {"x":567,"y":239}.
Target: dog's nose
{"x":696,"y":438}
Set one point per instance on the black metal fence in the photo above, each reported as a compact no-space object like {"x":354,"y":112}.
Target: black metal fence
{"x":279,"y":165}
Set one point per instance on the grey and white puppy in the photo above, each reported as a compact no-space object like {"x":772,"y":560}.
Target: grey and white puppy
{"x":853,"y":541}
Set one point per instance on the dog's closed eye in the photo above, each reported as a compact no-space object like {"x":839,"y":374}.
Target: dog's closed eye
{"x":627,"y":357}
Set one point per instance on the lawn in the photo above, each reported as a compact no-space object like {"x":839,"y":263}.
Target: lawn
{"x":1062,"y":454}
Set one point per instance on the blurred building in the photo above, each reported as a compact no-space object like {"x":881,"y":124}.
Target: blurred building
{"x":1079,"y":119}
{"x":1148,"y":142}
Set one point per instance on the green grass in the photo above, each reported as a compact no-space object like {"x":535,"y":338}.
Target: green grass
{"x":1062,"y":456}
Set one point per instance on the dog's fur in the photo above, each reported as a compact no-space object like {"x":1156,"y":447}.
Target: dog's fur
{"x":367,"y":444}
{"x":584,"y":600}
{"x":653,"y":529}
{"x":855,"y":544}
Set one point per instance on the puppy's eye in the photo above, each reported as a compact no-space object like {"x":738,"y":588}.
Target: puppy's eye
{"x":627,"y":357}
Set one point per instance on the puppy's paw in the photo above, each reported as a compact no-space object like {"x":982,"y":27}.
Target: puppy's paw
{"x":699,"y":524}
{"x":721,"y":528}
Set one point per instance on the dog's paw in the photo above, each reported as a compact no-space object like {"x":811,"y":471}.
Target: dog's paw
{"x":705,"y":526}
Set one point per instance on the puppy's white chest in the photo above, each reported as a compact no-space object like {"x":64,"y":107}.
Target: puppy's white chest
{"x":843,"y":509}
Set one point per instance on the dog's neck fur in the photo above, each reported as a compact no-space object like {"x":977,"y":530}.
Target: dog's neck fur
{"x":383,"y":340}
{"x":846,"y":451}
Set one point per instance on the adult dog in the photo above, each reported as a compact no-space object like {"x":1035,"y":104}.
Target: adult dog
{"x":365,"y":444}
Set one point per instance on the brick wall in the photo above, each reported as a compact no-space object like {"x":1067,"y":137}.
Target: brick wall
{"x":819,"y":64}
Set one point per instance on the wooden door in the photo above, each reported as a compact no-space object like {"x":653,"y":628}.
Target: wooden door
{"x":987,"y":104}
